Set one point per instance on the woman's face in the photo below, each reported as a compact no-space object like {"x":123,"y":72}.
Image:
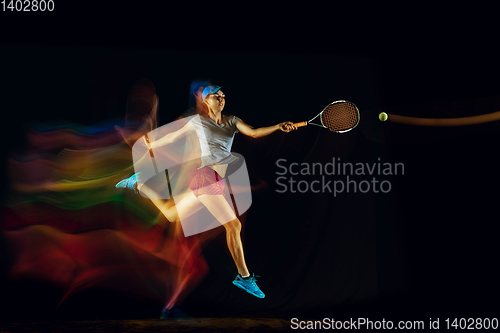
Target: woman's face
{"x":216,"y":101}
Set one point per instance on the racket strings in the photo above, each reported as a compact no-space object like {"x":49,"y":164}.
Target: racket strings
{"x":340,"y":116}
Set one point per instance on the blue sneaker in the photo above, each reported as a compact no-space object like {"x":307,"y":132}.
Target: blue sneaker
{"x":249,"y":285}
{"x":130,"y":183}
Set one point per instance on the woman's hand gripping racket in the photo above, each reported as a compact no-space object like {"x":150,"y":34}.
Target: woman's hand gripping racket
{"x":339,"y":117}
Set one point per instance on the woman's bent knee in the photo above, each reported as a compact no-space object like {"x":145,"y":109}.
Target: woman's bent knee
{"x":233,"y":226}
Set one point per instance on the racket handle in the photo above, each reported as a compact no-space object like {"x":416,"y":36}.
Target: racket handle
{"x":149,"y":145}
{"x":302,"y":123}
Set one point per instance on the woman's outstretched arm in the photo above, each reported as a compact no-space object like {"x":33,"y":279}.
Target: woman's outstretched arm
{"x":248,"y":130}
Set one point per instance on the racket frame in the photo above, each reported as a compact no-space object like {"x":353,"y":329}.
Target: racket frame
{"x":321,"y":118}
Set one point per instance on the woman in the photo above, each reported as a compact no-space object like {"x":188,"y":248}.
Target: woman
{"x":215,"y":132}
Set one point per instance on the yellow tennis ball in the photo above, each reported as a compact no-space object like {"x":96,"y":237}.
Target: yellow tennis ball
{"x":383,"y":116}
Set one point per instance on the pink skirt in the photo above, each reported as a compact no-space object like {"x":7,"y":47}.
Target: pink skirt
{"x":207,"y":181}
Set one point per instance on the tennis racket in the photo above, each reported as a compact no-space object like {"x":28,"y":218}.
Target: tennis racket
{"x":339,"y":117}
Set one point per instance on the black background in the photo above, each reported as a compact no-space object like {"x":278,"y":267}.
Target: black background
{"x":427,"y":249}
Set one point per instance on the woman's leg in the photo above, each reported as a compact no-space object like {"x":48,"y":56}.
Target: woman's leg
{"x":187,"y":205}
{"x":220,"y":208}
